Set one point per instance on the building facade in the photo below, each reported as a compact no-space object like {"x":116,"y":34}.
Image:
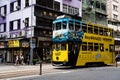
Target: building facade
{"x":94,"y":11}
{"x":26,"y":25}
{"x":114,"y":21}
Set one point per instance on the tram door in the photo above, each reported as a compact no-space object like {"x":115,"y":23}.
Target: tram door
{"x":73,"y":52}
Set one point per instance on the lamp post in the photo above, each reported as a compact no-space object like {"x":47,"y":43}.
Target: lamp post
{"x":31,"y":47}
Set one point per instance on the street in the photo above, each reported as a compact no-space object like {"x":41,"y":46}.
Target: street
{"x":82,"y":73}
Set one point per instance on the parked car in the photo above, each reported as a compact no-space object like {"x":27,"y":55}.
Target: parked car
{"x":117,"y":58}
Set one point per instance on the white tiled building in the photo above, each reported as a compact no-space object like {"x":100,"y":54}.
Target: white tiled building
{"x":114,"y":21}
{"x":21,"y":20}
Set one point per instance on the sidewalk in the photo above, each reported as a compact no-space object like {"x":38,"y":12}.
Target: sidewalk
{"x":11,"y":70}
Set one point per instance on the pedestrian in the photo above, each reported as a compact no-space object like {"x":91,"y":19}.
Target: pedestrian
{"x":16,"y":60}
{"x":28,"y":60}
{"x":22,"y":59}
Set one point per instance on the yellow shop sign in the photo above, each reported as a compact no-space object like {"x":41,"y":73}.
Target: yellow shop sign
{"x":13,"y":43}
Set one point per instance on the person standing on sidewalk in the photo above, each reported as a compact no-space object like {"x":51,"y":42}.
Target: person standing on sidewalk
{"x":22,"y":59}
{"x":16,"y":60}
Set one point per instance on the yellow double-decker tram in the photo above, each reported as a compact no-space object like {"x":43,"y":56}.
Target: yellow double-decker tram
{"x":76,"y":43}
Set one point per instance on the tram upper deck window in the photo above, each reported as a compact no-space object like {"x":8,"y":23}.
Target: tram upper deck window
{"x":101,"y":31}
{"x":111,"y":32}
{"x":77,"y":26}
{"x":90,"y":29}
{"x":58,"y":26}
{"x":64,"y":23}
{"x":71,"y":25}
{"x":95,"y":29}
{"x":84,"y":27}
{"x":105,"y":31}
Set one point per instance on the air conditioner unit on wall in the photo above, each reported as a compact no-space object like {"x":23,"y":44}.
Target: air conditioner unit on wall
{"x":18,"y":7}
{"x":17,"y":35}
{"x":22,"y":33}
{"x":90,"y":7}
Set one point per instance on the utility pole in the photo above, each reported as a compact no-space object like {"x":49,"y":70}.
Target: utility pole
{"x":31,"y":46}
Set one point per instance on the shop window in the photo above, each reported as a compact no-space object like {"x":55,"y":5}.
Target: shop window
{"x":101,"y":47}
{"x":84,"y":46}
{"x":90,"y":46}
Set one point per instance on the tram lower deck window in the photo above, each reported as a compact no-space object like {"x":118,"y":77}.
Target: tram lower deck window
{"x":96,"y":47}
{"x":84,"y":46}
{"x":63,"y":46}
{"x":101,"y":47}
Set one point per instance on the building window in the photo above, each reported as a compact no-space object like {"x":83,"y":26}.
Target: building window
{"x":3,"y":27}
{"x":3,"y":11}
{"x":56,"y":5}
{"x":15,"y":25}
{"x":70,"y":9}
{"x":65,"y":8}
{"x":103,"y":6}
{"x":115,"y":16}
{"x":26,"y":3}
{"x":15,"y":6}
{"x":115,"y":1}
{"x":45,"y":3}
{"x":26,"y":22}
{"x":97,"y":4}
{"x":115,"y":8}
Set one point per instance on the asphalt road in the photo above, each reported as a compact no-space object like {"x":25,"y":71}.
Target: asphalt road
{"x":89,"y":73}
